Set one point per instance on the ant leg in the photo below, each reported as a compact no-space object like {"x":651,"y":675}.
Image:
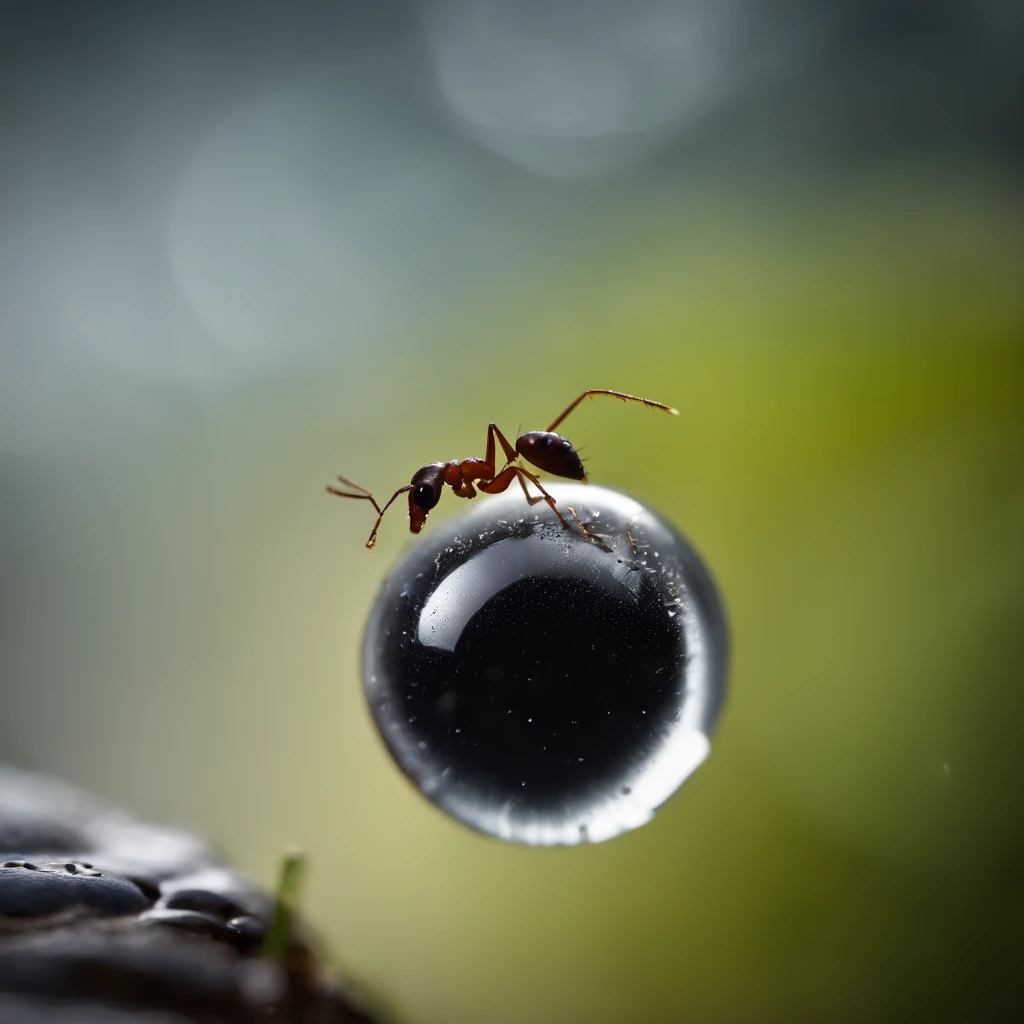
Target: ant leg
{"x":621,"y":395}
{"x":547,"y":497}
{"x":504,"y":478}
{"x":485,"y":468}
{"x":531,"y":499}
{"x":510,"y":453}
{"x":629,"y":534}
{"x":582,"y":525}
{"x":595,"y":537}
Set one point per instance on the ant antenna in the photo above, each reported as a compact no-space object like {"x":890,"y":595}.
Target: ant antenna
{"x":360,"y":492}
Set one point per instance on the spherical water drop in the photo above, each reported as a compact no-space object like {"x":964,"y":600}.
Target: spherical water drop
{"x":553,"y":701}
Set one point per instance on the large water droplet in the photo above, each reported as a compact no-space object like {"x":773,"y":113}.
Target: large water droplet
{"x":552,"y":688}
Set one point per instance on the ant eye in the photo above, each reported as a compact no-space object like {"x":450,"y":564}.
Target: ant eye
{"x":424,"y":496}
{"x":545,"y":686}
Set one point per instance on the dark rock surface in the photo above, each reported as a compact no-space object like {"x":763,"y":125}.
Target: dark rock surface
{"x":107,"y":919}
{"x":34,"y":890}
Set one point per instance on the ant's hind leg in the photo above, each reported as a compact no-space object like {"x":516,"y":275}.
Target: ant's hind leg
{"x":621,"y":395}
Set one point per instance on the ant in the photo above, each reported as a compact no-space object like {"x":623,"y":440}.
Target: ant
{"x":543,"y":448}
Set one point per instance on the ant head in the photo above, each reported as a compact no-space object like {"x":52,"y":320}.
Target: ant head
{"x":427,"y":485}
{"x":552,"y":453}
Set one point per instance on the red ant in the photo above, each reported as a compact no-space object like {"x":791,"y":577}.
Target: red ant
{"x":543,"y":448}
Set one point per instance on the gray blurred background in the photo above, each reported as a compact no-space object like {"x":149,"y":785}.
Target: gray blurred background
{"x":247,"y":245}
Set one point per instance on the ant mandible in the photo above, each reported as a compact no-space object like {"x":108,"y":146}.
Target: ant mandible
{"x":543,"y":448}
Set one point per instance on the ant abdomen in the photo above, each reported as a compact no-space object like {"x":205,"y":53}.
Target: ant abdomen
{"x":552,"y":453}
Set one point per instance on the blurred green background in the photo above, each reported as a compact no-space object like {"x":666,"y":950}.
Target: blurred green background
{"x":247,"y":247}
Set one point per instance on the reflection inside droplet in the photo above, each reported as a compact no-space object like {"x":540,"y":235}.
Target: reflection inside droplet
{"x":541,"y":686}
